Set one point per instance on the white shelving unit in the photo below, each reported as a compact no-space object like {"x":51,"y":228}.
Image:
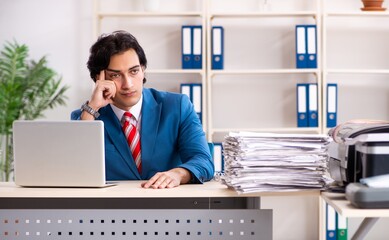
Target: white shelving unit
{"x":226,"y":19}
{"x":256,"y":89}
{"x":362,"y":82}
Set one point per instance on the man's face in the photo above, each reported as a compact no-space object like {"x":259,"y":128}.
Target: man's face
{"x":126,"y":72}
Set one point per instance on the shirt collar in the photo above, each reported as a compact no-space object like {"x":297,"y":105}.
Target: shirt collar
{"x":135,"y":110}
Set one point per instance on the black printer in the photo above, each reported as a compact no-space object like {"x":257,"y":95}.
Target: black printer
{"x":358,"y":150}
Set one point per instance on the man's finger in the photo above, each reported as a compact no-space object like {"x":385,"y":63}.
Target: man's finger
{"x":150,"y":182}
{"x":102,"y":75}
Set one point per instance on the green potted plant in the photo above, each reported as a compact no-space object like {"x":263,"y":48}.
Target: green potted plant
{"x":27,"y":88}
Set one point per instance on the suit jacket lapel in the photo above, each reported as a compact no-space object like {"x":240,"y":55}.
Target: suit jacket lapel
{"x":114,"y":131}
{"x":151,"y":113}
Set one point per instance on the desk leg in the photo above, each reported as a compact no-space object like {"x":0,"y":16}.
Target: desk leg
{"x":364,"y":228}
{"x":322,"y":219}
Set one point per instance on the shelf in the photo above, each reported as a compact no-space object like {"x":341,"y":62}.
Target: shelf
{"x":357,"y":14}
{"x":357,"y":71}
{"x":343,"y":207}
{"x":264,"y":71}
{"x":274,"y":130}
{"x":175,"y":71}
{"x":262,"y":14}
{"x":149,"y":14}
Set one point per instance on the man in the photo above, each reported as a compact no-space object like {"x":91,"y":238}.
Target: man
{"x":173,"y":148}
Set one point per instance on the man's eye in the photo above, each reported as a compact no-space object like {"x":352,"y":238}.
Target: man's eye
{"x":113,"y":76}
{"x":135,"y":71}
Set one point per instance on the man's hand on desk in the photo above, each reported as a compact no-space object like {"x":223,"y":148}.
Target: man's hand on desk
{"x":168,"y":179}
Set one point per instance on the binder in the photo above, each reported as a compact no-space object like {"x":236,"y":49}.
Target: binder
{"x":197,"y":58}
{"x":313,"y":119}
{"x":217,"y":47}
{"x":341,"y":227}
{"x":186,"y":46}
{"x":197,"y":99}
{"x":194,"y":92}
{"x":301,"y":47}
{"x":331,"y":233}
{"x":311,"y":46}
{"x":302,"y":99}
{"x":185,"y":89}
{"x":218,"y":159}
{"x":332,"y":104}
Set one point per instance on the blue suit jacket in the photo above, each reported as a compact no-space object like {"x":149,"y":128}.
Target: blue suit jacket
{"x":171,"y":136}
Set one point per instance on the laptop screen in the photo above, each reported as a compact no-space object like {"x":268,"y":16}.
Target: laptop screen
{"x":59,"y":153}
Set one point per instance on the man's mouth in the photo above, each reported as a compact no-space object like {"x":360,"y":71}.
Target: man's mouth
{"x":128,"y":94}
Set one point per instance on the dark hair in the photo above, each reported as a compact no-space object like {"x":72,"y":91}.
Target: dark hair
{"x":108,"y":45}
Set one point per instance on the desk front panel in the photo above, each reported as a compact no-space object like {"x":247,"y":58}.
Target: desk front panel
{"x":130,"y":203}
{"x":136,"y":224}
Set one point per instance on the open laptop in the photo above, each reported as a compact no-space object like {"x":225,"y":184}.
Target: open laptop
{"x":59,"y":153}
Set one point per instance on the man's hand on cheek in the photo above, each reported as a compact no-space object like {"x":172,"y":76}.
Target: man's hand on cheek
{"x":103,"y":93}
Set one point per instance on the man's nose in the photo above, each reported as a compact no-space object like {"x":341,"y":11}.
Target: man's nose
{"x":127,"y":81}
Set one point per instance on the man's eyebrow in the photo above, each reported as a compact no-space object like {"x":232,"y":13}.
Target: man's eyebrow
{"x":118,"y":71}
{"x":112,"y":70}
{"x":136,"y":66}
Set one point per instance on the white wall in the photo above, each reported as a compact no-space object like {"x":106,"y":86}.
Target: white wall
{"x":62,"y":30}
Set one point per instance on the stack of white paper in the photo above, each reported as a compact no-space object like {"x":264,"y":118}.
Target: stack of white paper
{"x":257,"y":162}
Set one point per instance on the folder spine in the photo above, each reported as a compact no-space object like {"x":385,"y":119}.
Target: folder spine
{"x":332,"y":104}
{"x":313,"y":118}
{"x":218,"y":158}
{"x":197,"y":99}
{"x":186,"y":47}
{"x":301,"y":47}
{"x":331,"y":233}
{"x":185,"y":88}
{"x":197,"y":42}
{"x":217,"y":47}
{"x":302,"y":100}
{"x":341,"y":223}
{"x":311,"y":34}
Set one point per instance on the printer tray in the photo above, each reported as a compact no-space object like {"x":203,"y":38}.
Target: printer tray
{"x":362,"y":196}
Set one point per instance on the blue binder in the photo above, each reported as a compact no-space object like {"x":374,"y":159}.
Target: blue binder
{"x":197,"y":99}
{"x":313,"y":118}
{"x":301,"y":47}
{"x":311,"y":46}
{"x":197,"y":39}
{"x":332,"y":104}
{"x":186,"y":46}
{"x":218,"y":159}
{"x":185,"y":88}
{"x":302,"y":100}
{"x":217,"y":47}
{"x":331,"y":233}
{"x":194,"y":92}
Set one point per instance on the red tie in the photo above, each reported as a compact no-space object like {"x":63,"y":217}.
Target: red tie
{"x":133,"y":138}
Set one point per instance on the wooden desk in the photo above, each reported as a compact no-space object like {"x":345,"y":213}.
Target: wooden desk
{"x":95,"y":210}
{"x":339,"y":202}
{"x":132,"y":189}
